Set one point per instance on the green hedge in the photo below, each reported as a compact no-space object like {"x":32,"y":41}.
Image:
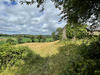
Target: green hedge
{"x":9,"y":55}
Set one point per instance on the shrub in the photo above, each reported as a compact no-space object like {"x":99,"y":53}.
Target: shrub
{"x":97,"y":72}
{"x":79,"y":31}
{"x":91,"y":56}
{"x":28,"y":41}
{"x":19,"y":39}
{"x":9,"y":55}
{"x":10,"y":41}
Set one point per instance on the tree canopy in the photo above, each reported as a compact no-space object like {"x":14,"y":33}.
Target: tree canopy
{"x":73,"y":11}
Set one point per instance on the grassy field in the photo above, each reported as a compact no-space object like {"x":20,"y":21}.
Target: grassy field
{"x":48,"y":48}
{"x":43,"y":49}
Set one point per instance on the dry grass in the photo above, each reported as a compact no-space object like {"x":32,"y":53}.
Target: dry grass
{"x":44,"y":49}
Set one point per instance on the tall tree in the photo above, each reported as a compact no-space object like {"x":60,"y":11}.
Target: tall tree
{"x":54,"y":36}
{"x":32,"y":38}
{"x":19,"y":39}
{"x":39,"y":37}
{"x":43,"y":39}
{"x":59,"y":32}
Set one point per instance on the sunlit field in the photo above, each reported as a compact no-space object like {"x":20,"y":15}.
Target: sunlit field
{"x":44,"y":49}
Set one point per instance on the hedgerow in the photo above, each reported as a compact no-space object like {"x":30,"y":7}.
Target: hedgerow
{"x":10,"y":55}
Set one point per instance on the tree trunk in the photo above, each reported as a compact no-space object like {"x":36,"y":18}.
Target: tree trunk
{"x":64,"y":33}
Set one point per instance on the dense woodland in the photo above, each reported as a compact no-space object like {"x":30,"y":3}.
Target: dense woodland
{"x":79,"y":54}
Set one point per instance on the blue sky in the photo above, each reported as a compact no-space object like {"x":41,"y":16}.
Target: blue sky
{"x":23,"y":19}
{"x":10,"y":3}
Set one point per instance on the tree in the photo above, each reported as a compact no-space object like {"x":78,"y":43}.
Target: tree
{"x":43,"y":39}
{"x":32,"y":38}
{"x":59,"y":32}
{"x":19,"y":39}
{"x":54,"y":36}
{"x":57,"y":35}
{"x":39,"y":37}
{"x":77,"y":32}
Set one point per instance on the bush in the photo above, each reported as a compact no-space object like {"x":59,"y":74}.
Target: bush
{"x":10,"y":41}
{"x":91,"y":51}
{"x":79,"y":31}
{"x":97,"y":72}
{"x":91,"y":56}
{"x":28,"y":41}
{"x":19,"y":39}
{"x":9,"y":55}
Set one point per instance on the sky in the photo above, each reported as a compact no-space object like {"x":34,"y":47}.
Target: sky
{"x":26,"y":19}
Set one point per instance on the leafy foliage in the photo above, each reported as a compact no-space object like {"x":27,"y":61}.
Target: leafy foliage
{"x":9,"y":55}
{"x":54,"y":36}
{"x":57,"y":35}
{"x":43,"y":39}
{"x":39,"y":37}
{"x":19,"y":39}
{"x":10,"y":41}
{"x":73,"y":10}
{"x":91,"y":51}
{"x":91,"y":56}
{"x":59,"y":32}
{"x":32,"y":38}
{"x":78,"y":31}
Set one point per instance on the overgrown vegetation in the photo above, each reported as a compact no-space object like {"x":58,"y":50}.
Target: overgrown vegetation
{"x":10,"y":56}
{"x":72,"y":59}
{"x":78,"y":31}
{"x":10,"y":41}
{"x":91,"y":56}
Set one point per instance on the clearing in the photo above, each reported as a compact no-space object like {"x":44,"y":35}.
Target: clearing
{"x":44,"y":49}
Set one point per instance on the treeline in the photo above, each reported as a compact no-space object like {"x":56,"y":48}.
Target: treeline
{"x":24,"y":38}
{"x":31,"y":38}
{"x":23,"y":35}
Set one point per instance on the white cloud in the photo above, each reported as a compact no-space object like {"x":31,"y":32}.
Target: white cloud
{"x":17,"y":19}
